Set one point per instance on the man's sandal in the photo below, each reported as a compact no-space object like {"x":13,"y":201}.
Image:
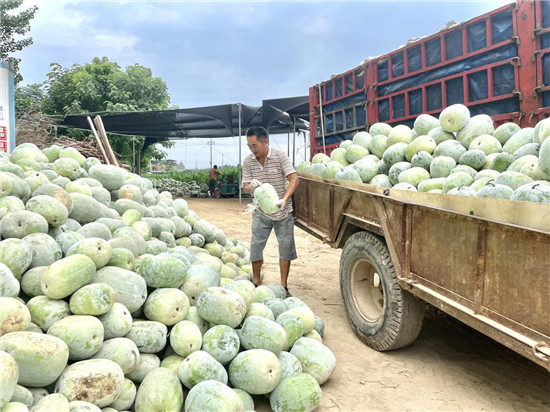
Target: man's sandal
{"x":289,"y":295}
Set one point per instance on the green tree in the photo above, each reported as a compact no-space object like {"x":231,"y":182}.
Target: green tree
{"x":102,"y":85}
{"x":27,"y":96}
{"x":14,"y":25}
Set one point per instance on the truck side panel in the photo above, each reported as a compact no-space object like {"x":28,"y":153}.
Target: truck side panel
{"x":432,"y":230}
{"x":491,"y":275}
{"x":542,"y":57}
{"x":517,"y":270}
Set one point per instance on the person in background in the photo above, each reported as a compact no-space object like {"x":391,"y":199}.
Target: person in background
{"x":269,"y":165}
{"x":213,"y":177}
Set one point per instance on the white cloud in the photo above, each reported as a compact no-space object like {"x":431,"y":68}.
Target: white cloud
{"x":178,"y":13}
{"x":317,"y":25}
{"x":244,"y":15}
{"x":211,"y":82}
{"x":114,"y":43}
{"x":187,"y":14}
{"x":221,"y":82}
{"x":61,"y":25}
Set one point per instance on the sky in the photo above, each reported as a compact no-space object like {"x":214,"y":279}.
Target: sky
{"x":213,"y":53}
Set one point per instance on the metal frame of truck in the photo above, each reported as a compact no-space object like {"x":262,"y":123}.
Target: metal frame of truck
{"x":401,"y":248}
{"x":531,"y":88}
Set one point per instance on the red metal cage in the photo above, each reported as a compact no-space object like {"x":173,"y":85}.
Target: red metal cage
{"x":331,"y":116}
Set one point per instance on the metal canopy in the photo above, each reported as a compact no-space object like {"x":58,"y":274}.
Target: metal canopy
{"x":227,"y":120}
{"x":280,"y":115}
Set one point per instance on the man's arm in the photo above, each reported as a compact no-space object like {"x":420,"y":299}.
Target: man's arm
{"x":293,"y":182}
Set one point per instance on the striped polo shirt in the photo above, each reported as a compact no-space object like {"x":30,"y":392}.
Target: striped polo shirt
{"x":275,"y":171}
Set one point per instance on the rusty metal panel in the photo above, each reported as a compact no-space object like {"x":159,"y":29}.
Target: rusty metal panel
{"x":517,"y":277}
{"x":319,"y":194}
{"x":479,"y":292}
{"x":444,"y":250}
{"x":301,"y":202}
{"x":340,"y":195}
{"x":386,"y":233}
{"x":392,"y":215}
{"x":340,"y":202}
{"x":448,"y":306}
{"x":531,"y":215}
{"x":362,"y":207}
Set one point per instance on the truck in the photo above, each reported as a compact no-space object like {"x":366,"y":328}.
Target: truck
{"x":484,"y":262}
{"x":496,"y":64}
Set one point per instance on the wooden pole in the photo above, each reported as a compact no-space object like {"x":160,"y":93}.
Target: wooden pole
{"x":101,"y":129}
{"x":98,"y":140}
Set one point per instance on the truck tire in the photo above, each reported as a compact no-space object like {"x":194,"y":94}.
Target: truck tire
{"x":382,"y":314}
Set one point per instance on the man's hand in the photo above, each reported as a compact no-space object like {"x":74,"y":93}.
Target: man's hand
{"x":280,"y":205}
{"x":254,"y":185}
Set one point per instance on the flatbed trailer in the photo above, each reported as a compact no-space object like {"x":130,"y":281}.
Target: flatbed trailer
{"x":485,"y":262}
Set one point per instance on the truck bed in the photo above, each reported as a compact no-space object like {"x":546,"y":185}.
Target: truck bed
{"x":485,"y":262}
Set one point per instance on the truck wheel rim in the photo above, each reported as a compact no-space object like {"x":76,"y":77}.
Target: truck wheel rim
{"x":367,"y":290}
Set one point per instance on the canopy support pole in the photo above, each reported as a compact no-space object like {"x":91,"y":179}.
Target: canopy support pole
{"x":138,"y":163}
{"x":288,"y":143}
{"x":322,"y":120}
{"x":240,"y":162}
{"x":294,"y":141}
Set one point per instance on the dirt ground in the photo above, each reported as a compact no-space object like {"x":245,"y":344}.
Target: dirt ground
{"x":450,"y":367}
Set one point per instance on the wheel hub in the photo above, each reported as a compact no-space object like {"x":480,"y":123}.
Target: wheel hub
{"x":368,"y":292}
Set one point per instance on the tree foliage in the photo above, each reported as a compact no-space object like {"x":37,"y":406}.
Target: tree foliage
{"x":13,"y":26}
{"x":27,"y":96}
{"x":102,"y":85}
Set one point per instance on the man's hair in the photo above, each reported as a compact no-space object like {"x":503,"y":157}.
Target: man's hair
{"x":215,"y":166}
{"x":258,"y":131}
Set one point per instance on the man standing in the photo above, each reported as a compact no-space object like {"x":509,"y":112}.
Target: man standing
{"x":269,"y":165}
{"x":213,"y":176}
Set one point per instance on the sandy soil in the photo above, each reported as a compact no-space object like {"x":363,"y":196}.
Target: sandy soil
{"x":450,"y":367}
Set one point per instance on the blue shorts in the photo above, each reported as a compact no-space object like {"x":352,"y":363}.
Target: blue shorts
{"x":261,"y":229}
